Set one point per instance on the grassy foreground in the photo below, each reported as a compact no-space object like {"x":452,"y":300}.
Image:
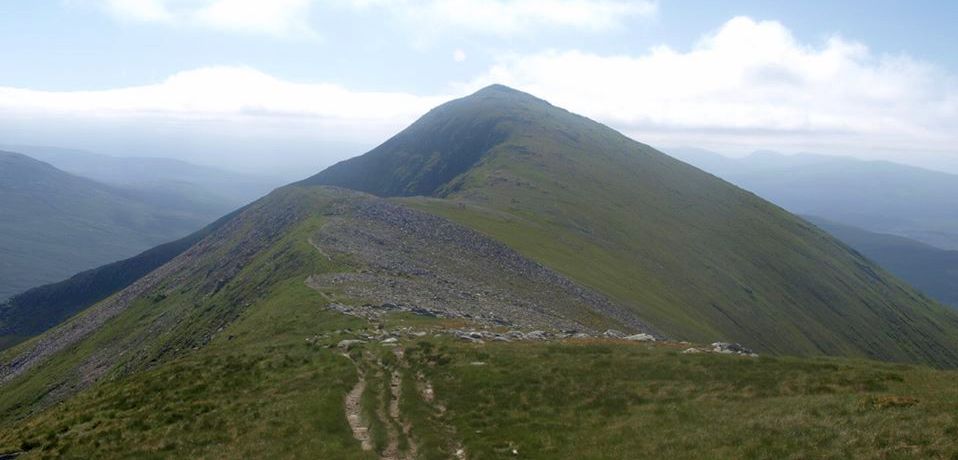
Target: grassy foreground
{"x":270,"y":392}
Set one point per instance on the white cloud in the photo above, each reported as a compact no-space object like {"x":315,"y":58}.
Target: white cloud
{"x":750,"y":82}
{"x":221,"y":92}
{"x":746,"y":86}
{"x":291,"y":17}
{"x":227,"y":116}
{"x":285,"y":18}
{"x":511,"y":17}
{"x":459,"y":55}
{"x":276,"y":17}
{"x":139,"y":10}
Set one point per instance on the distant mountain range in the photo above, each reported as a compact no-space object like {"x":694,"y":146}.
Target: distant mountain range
{"x":54,"y":224}
{"x":163,"y":182}
{"x":877,"y":196}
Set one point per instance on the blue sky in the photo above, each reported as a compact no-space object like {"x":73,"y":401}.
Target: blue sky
{"x":310,"y":82}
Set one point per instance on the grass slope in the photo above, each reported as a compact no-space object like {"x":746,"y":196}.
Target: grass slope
{"x":54,"y":224}
{"x":695,"y":256}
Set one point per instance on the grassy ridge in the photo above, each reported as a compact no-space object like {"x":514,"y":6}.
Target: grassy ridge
{"x":185,"y":311}
{"x":695,"y":256}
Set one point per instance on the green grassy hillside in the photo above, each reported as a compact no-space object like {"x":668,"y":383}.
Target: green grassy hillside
{"x":54,"y":224}
{"x":231,"y":350}
{"x":694,"y":256}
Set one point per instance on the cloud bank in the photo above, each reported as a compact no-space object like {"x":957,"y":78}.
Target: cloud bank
{"x":751,"y":80}
{"x":284,"y":18}
{"x":512,"y":17}
{"x":748,"y":85}
{"x":290,"y":18}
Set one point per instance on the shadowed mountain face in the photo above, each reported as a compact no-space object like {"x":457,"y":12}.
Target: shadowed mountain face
{"x":694,"y":256}
{"x":932,"y":270}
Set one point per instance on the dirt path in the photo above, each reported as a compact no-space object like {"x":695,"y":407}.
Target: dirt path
{"x":353,"y":407}
{"x":389,"y":409}
{"x":391,"y":452}
{"x":395,"y":387}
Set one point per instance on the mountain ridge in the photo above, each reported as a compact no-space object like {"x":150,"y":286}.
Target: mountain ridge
{"x":704,"y":260}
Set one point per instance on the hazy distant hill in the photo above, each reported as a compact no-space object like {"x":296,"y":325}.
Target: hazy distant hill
{"x":163,"y":182}
{"x":932,"y":270}
{"x":877,"y":196}
{"x":54,"y":224}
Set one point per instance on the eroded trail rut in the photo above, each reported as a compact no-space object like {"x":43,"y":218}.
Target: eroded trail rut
{"x":353,"y":406}
{"x":400,"y":444}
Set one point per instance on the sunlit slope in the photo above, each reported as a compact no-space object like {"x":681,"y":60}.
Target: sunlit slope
{"x":695,"y":256}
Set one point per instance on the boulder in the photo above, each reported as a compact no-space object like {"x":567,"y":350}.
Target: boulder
{"x":641,"y":338}
{"x":537,"y":335}
{"x":732,"y":348}
{"x":613,"y":334}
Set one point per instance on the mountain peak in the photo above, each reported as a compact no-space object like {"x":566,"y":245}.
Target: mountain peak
{"x":500,"y":89}
{"x":448,"y":141}
{"x":504,"y":94}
